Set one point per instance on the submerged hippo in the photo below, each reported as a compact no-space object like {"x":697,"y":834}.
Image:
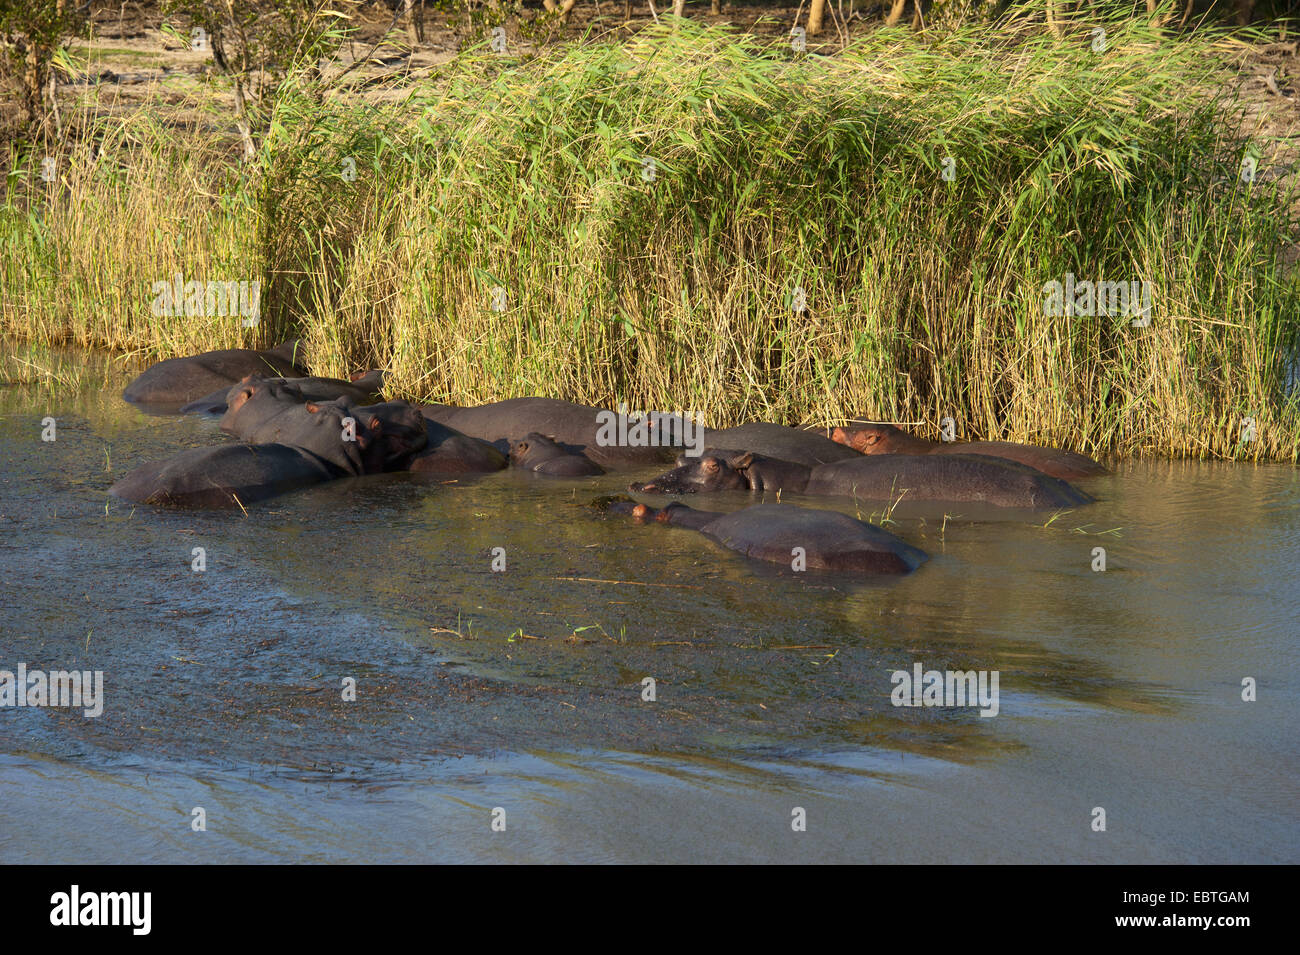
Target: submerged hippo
{"x":363,"y":389}
{"x":772,"y":532}
{"x":178,"y":381}
{"x":887,"y":439}
{"x":956,"y":478}
{"x":447,"y":451}
{"x":225,"y":476}
{"x":536,"y":452}
{"x":582,"y":428}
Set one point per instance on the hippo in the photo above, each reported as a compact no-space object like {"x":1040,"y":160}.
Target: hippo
{"x":800,"y":445}
{"x":830,"y":540}
{"x":228,"y":475}
{"x":255,"y":404}
{"x":392,"y":432}
{"x":314,"y":442}
{"x":538,"y":453}
{"x":263,"y":411}
{"x":169,"y":384}
{"x":953,"y":478}
{"x":363,"y":389}
{"x":887,"y":439}
{"x":582,"y":428}
{"x":447,"y":451}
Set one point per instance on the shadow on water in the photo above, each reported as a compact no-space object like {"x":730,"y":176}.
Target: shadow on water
{"x":764,"y":678}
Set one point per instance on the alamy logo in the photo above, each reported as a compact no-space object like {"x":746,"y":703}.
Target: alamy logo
{"x":650,"y":429}
{"x":212,"y":299}
{"x":924,"y":687}
{"x":1087,"y":298}
{"x":102,"y":908}
{"x":65,"y":688}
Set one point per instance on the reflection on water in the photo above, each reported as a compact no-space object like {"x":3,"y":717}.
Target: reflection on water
{"x":523,"y":689}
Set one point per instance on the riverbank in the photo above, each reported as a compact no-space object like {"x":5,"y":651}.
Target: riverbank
{"x":695,"y":218}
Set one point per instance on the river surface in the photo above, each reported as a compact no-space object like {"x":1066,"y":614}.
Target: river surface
{"x":517,"y":696}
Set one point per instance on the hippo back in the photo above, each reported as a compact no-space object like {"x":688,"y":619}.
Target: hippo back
{"x":956,"y":478}
{"x":1054,"y":462}
{"x":829,"y":540}
{"x":177,"y":381}
{"x":778,"y":441}
{"x":227,"y":475}
{"x":577,"y":426}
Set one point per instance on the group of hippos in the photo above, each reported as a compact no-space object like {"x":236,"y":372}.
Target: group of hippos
{"x":296,"y":430}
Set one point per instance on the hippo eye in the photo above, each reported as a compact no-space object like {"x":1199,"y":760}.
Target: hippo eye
{"x":710,"y":464}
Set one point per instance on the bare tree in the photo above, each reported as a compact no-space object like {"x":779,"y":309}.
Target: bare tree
{"x":816,"y":12}
{"x":564,"y":7}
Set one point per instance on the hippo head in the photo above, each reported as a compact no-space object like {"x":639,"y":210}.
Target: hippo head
{"x":520,"y":448}
{"x":244,"y":389}
{"x":372,"y":380}
{"x":388,"y":434}
{"x":711,"y":471}
{"x":622,"y":504}
{"x":249,"y":385}
{"x":870,"y":438}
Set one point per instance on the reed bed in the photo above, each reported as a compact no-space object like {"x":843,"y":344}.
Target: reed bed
{"x":697,"y":219}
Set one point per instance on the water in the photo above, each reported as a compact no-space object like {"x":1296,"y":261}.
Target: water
{"x":521,"y":691}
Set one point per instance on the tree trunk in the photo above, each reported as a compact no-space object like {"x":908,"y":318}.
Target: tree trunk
{"x":895,"y":13}
{"x":1054,"y":24}
{"x":408,"y":7}
{"x":815,"y":14}
{"x":679,"y":8}
{"x":241,"y":119}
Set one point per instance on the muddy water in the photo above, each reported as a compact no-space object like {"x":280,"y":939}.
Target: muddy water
{"x":522,"y":690}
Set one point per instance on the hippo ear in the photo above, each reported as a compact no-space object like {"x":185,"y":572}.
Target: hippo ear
{"x":313,"y":407}
{"x":709,"y":464}
{"x":742,"y":461}
{"x":243,"y":394}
